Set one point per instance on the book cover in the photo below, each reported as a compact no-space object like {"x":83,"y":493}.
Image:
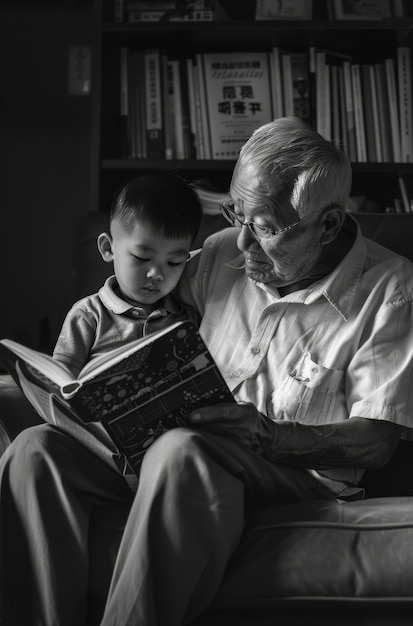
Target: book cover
{"x":404,"y":68}
{"x":238,"y":97}
{"x":154,"y":131}
{"x":132,"y":394}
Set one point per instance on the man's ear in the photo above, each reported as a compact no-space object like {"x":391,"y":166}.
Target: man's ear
{"x":332,"y":221}
{"x":104,"y":242}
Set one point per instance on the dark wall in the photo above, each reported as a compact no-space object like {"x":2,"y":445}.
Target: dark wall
{"x":44,"y":160}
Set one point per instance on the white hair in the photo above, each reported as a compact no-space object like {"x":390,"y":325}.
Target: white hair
{"x":314,"y":173}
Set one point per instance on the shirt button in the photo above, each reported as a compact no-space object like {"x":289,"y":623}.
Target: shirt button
{"x":135,"y":313}
{"x":255,"y":349}
{"x":236,"y":374}
{"x":315,"y":370}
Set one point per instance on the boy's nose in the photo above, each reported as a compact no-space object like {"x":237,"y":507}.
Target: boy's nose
{"x":156,"y":273}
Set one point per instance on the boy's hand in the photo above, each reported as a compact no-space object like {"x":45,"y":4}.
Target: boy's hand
{"x":240,"y":421}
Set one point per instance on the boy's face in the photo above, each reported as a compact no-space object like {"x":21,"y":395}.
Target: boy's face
{"x":147,"y":265}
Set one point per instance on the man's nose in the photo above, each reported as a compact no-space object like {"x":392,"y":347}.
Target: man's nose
{"x":245,"y":238}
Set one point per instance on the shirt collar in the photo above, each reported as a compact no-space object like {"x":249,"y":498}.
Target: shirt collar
{"x":339,"y":287}
{"x":110,"y":296}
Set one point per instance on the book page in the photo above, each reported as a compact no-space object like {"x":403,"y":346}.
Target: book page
{"x":44,"y":363}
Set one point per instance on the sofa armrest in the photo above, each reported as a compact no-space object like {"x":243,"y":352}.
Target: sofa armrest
{"x":16,"y":412}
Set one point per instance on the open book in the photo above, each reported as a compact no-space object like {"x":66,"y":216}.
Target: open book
{"x":124,"y":399}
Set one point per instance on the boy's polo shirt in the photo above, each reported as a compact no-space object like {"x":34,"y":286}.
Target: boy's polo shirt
{"x":104,"y":321}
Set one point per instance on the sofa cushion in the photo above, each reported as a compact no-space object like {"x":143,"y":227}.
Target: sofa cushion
{"x":324,"y":553}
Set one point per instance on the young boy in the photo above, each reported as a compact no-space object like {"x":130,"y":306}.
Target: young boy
{"x":153,"y":222}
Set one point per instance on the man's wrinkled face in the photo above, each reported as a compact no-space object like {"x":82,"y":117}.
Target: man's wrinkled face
{"x":287,"y":257}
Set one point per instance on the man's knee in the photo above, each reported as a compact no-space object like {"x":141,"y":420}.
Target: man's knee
{"x":174,"y":450}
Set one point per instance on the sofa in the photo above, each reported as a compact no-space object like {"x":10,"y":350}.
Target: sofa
{"x":325,"y":563}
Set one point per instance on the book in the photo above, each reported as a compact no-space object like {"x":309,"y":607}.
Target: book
{"x":368,"y":114}
{"x":404,"y":68}
{"x":393,"y":107}
{"x":349,"y":104}
{"x":276,"y":83}
{"x":124,"y":103}
{"x":323,"y":103}
{"x":288,"y":10}
{"x":154,"y":131}
{"x":199,"y":68}
{"x":124,"y":399}
{"x":296,"y":85}
{"x":375,"y":114}
{"x":238,"y":98}
{"x":384,"y":112}
{"x":358,"y":113}
{"x":353,"y":10}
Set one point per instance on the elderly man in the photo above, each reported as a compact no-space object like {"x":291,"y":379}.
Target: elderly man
{"x":312,"y":327}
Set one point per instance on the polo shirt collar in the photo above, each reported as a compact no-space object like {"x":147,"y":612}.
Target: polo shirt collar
{"x":109,"y":294}
{"x":338,"y":288}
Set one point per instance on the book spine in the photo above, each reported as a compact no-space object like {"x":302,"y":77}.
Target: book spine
{"x":155,"y":141}
{"x":358,"y":114}
{"x":335,"y":108}
{"x":375,"y":114}
{"x":168,"y":119}
{"x":276,"y":84}
{"x":323,"y":122}
{"x":200,"y":148}
{"x":188,"y":138}
{"x":287,"y":84}
{"x":405,"y":102}
{"x":204,"y":108}
{"x":351,"y":127}
{"x":343,"y":112}
{"x":384,"y":112}
{"x":368,"y":113}
{"x":124,"y":100}
{"x":393,"y":106}
{"x":178,"y":120}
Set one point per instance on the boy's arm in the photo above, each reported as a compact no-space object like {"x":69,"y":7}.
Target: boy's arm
{"x":75,"y":339}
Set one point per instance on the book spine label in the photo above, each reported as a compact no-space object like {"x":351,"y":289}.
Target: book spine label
{"x":405,"y":103}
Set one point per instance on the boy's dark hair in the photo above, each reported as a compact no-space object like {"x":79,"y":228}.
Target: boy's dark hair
{"x":165,"y":202}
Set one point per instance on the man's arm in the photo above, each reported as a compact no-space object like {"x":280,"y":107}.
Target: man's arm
{"x":357,"y":442}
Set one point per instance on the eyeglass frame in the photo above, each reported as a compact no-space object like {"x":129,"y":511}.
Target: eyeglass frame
{"x":272,"y":233}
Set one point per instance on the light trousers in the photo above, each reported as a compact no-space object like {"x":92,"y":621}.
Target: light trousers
{"x":185,"y":522}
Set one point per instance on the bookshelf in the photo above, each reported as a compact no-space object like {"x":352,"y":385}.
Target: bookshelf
{"x":368,"y":42}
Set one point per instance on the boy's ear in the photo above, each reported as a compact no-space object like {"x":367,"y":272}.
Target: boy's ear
{"x":104,"y":242}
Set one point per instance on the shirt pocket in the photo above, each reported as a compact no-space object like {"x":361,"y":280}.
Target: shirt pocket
{"x":307,"y":394}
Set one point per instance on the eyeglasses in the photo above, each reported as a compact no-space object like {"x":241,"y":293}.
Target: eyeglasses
{"x":259,"y":231}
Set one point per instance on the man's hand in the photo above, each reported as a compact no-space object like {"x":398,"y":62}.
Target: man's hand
{"x":240,"y":421}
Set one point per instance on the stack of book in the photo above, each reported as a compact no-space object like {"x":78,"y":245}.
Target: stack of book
{"x":207,"y":105}
{"x":163,"y":10}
